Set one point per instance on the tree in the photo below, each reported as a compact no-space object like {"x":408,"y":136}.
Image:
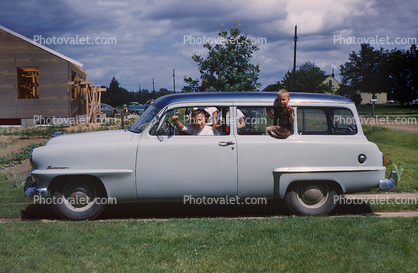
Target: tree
{"x":117,"y":96}
{"x":403,"y":75}
{"x":227,"y":66}
{"x":348,"y":92}
{"x":413,"y":64}
{"x":192,"y":85}
{"x":114,"y":95}
{"x":366,"y":71}
{"x":309,"y":78}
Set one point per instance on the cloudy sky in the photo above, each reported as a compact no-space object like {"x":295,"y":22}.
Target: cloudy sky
{"x":140,"y":40}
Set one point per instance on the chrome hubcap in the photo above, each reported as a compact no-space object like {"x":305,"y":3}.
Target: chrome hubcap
{"x":79,"y":195}
{"x":312,"y":195}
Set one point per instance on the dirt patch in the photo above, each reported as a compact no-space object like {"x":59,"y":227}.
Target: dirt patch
{"x":14,"y":144}
{"x":400,"y":124}
{"x":19,"y":170}
{"x":404,"y":127}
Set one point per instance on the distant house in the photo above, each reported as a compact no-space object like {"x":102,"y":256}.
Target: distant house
{"x":366,"y":97}
{"x":34,"y":81}
{"x":331,"y":81}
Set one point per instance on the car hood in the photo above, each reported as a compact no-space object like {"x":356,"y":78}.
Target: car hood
{"x":103,"y":136}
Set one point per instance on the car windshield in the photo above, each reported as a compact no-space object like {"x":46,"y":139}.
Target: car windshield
{"x":144,"y":119}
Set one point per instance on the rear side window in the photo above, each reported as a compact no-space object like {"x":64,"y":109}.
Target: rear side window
{"x":344,"y":119}
{"x":325,"y":121}
{"x":312,"y":122}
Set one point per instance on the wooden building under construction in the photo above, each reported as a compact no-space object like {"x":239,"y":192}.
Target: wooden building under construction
{"x":37,"y":83}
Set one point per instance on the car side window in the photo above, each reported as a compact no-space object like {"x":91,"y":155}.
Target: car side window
{"x":344,"y":122}
{"x":325,"y":121}
{"x":190,"y":124}
{"x":252,"y":120}
{"x":312,"y":121}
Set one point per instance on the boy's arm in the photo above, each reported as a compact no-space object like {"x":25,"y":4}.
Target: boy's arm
{"x":268,"y":110}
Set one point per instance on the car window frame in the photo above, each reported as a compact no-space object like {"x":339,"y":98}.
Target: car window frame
{"x":167,"y":109}
{"x":328,"y":110}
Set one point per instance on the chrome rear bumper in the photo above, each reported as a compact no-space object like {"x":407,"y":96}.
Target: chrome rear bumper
{"x":390,"y":183}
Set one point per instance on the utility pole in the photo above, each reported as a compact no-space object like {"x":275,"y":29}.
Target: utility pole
{"x":174,"y":80}
{"x":153,"y":85}
{"x":139,"y":93}
{"x":294,"y":59}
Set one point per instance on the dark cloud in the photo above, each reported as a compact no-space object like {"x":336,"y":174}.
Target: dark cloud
{"x":150,"y":34}
{"x":47,"y":16}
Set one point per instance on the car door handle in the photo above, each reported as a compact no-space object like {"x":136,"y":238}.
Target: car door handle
{"x":226,"y":143}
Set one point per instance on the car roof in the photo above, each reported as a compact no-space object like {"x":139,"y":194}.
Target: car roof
{"x":242,"y":97}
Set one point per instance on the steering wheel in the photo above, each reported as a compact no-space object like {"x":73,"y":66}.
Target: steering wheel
{"x":350,"y":128}
{"x":169,"y":127}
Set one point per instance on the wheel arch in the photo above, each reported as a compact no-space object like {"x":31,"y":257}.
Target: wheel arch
{"x":284,"y":180}
{"x":331,"y":183}
{"x":58,"y":183}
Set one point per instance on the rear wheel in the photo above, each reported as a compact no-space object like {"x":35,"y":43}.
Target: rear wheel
{"x":78,"y":199}
{"x":313,"y":198}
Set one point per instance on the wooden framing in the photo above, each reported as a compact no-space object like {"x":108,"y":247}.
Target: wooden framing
{"x":92,"y":95}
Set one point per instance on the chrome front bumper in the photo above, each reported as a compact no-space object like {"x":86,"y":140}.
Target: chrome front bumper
{"x":31,"y":188}
{"x":390,"y":183}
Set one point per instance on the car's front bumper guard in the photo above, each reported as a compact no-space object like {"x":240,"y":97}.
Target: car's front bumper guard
{"x":31,"y":189}
{"x":390,"y":183}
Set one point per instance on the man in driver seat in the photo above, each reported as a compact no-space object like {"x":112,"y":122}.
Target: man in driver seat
{"x":198,"y":125}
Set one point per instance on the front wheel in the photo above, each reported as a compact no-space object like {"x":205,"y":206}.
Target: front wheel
{"x":312,"y":198}
{"x":78,"y":199}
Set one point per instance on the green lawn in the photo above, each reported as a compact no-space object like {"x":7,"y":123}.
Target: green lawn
{"x":287,"y":244}
{"x":12,"y":199}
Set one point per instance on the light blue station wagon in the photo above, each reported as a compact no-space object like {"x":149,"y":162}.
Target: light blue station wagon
{"x":327,"y":155}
